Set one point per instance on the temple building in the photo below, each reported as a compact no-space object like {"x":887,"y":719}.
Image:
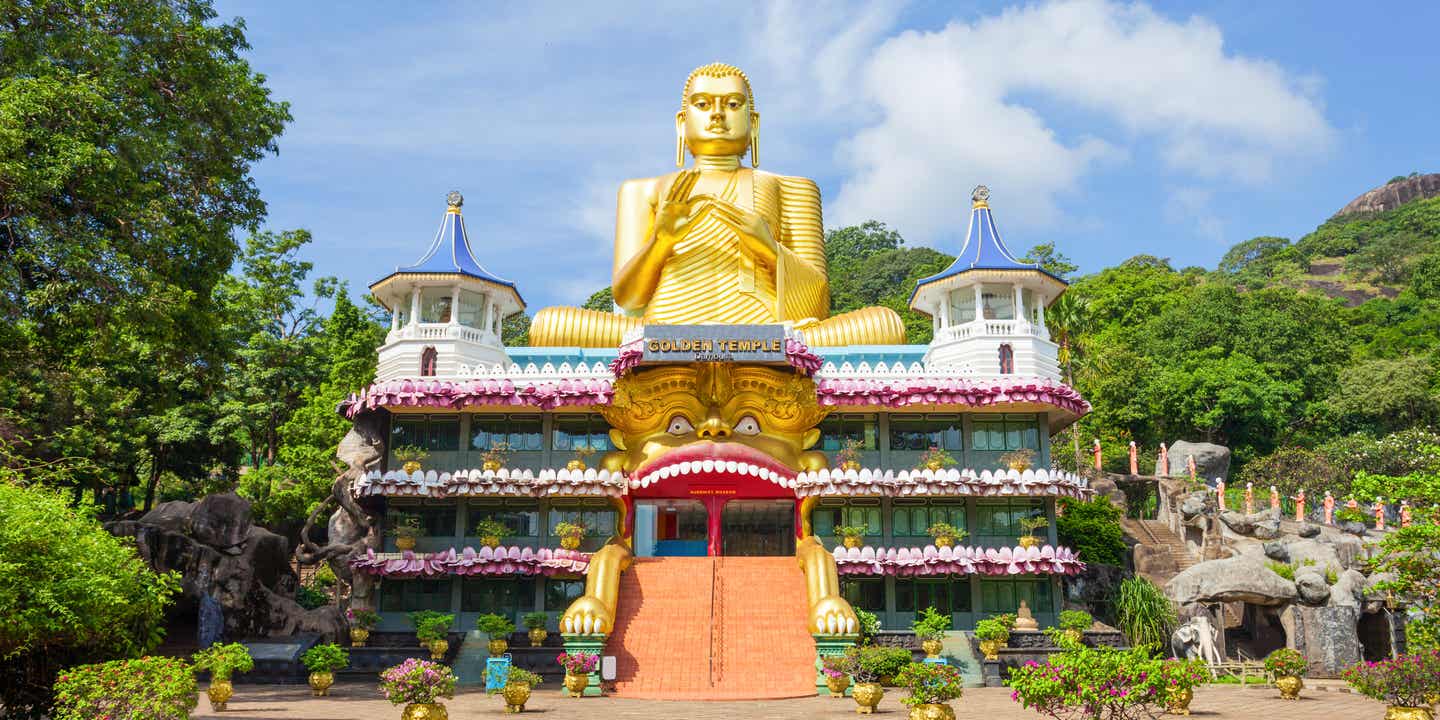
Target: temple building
{"x":775,"y":472}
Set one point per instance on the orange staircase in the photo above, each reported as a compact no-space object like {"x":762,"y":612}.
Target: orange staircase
{"x":713,"y":629}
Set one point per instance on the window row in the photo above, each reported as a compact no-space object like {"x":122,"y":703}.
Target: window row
{"x":922,"y":432}
{"x":521,"y":516}
{"x":913,"y":519}
{"x":505,"y":596}
{"x":948,"y":595}
{"x":519,"y":433}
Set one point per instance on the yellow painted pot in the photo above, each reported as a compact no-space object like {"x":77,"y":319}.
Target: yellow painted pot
{"x":359,"y":636}
{"x":837,"y":685}
{"x":1289,"y":687}
{"x":853,"y":542}
{"x":411,"y":467}
{"x":1400,"y":712}
{"x":1027,"y":541}
{"x":932,"y":648}
{"x":320,"y":683}
{"x":219,"y":692}
{"x":490,"y":465}
{"x":867,"y":696}
{"x":537,"y":637}
{"x":403,"y":543}
{"x":490,"y":541}
{"x":576,"y":684}
{"x":944,"y":541}
{"x":849,"y":465}
{"x":1020,"y":466}
{"x":570,"y":542}
{"x":991,"y":648}
{"x":575,"y":465}
{"x":1179,"y":703}
{"x":516,"y":694}
{"x":498,"y":647}
{"x":425,"y":711}
{"x":932,"y":711}
{"x":934,"y":466}
{"x":438,"y":648}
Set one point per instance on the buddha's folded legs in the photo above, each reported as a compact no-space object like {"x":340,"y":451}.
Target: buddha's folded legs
{"x":577,"y":327}
{"x":866,"y":326}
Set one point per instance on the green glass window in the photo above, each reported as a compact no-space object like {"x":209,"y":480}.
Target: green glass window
{"x":412,"y":595}
{"x":922,"y":432}
{"x":836,"y":429}
{"x":502,"y":596}
{"x":560,"y":593}
{"x":1005,"y":432}
{"x":522,"y":433}
{"x":914,"y":521}
{"x":832,"y":514}
{"x":867,"y":594}
{"x":599,"y":516}
{"x":947,"y":595}
{"x":1002,"y":518}
{"x":435,"y":520}
{"x":435,"y":434}
{"x":521,"y":516}
{"x":1004,"y":596}
{"x":573,"y":432}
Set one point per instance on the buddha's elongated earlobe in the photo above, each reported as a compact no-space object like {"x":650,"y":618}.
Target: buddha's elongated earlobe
{"x":680,"y":139}
{"x":755,"y":139}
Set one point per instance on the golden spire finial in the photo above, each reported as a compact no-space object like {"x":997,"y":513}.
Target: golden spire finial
{"x":454,"y":199}
{"x":980,"y":197}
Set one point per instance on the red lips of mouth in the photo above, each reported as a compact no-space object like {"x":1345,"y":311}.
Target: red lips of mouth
{"x":690,"y":460}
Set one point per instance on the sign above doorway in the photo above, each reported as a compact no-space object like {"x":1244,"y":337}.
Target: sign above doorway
{"x":760,"y":344}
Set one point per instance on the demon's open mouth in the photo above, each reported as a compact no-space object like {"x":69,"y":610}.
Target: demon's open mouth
{"x":714,"y":461}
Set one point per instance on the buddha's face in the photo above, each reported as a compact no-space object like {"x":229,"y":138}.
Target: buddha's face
{"x":754,"y":421}
{"x":717,"y":116}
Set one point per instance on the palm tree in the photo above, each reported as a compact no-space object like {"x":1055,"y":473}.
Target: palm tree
{"x":1069,"y":319}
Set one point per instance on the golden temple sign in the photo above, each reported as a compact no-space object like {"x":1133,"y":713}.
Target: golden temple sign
{"x":714,"y":343}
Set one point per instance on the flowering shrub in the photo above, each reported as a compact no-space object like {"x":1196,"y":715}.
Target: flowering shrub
{"x":578,"y":663}
{"x":936,"y":456}
{"x":1092,"y":684}
{"x":1285,"y":662}
{"x":1184,"y":674}
{"x":325,"y":658}
{"x":224,"y":660}
{"x":417,"y":681}
{"x":362,"y":618}
{"x":871,"y":663}
{"x":1405,"y":681}
{"x":930,"y":683}
{"x":992,"y":629}
{"x":147,"y":688}
{"x":833,"y":666}
{"x":1075,"y":620}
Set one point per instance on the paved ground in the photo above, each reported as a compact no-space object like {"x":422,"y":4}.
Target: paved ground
{"x":354,"y":701}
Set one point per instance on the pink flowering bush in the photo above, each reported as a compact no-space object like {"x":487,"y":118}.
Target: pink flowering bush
{"x":1404,"y":681}
{"x":417,"y":681}
{"x":578,"y":663}
{"x":1286,"y":662}
{"x":1093,"y":684}
{"x":147,"y":688}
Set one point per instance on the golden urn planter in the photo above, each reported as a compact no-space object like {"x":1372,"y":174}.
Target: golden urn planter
{"x":934,"y":465}
{"x":219,"y":692}
{"x":425,"y":711}
{"x":932,"y":648}
{"x":570,"y":542}
{"x":1019,"y":466}
{"x":498,"y":647}
{"x":837,"y":685}
{"x":575,"y":465}
{"x":1027,"y":541}
{"x":932,"y":711}
{"x":867,"y":696}
{"x":1179,"y":703}
{"x":575,"y":684}
{"x":991,"y":648}
{"x":1289,"y":687}
{"x":320,"y":683}
{"x":411,"y":467}
{"x":404,"y":543}
{"x":516,"y":694}
{"x":1400,"y":712}
{"x":490,"y":541}
{"x":438,"y":648}
{"x":849,"y":465}
{"x":358,"y":637}
{"x":490,"y":465}
{"x":853,"y":542}
{"x":944,"y":541}
{"x":537,"y":637}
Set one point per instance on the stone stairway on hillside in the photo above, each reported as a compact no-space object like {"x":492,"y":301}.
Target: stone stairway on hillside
{"x":1160,"y":554}
{"x":726,"y":628}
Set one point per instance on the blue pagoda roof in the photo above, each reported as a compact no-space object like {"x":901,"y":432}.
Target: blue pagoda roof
{"x":451,"y":253}
{"x":983,"y":248}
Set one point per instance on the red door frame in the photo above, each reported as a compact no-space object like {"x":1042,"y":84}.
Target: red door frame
{"x":713,"y":490}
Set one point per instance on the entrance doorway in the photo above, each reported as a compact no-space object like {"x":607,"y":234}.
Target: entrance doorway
{"x":671,"y":528}
{"x":758,"y":527}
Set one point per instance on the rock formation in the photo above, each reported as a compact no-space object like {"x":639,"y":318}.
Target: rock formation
{"x":1211,"y":460}
{"x":1393,"y":195}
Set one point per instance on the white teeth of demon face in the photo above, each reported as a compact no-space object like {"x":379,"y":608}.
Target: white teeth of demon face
{"x":716,"y":469}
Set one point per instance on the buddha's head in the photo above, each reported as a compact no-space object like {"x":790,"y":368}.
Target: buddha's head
{"x":717,"y":112}
{"x":751,"y":416}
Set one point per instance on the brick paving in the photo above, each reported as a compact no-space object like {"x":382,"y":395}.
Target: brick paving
{"x":361,"y":701}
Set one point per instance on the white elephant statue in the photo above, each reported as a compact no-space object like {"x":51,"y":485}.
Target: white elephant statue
{"x":1196,"y":639}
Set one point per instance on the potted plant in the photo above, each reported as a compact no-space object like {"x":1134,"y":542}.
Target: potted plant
{"x":866,"y":665}
{"x":361,"y":621}
{"x":931,"y":686}
{"x":848,"y":458}
{"x":498,"y":629}
{"x":418,"y":618}
{"x":578,"y":462}
{"x":935,"y":459}
{"x":571,"y":533}
{"x":410,"y":456}
{"x":147,"y":688}
{"x":493,"y":459}
{"x":836,"y":678}
{"x":1286,"y":666}
{"x":405,"y":528}
{"x":535,"y":624}
{"x":1030,"y":525}
{"x":578,"y":667}
{"x":869,"y":625}
{"x":930,"y":629}
{"x":1074,"y":623}
{"x":1092,"y":683}
{"x":1019,"y":460}
{"x":992,"y":634}
{"x":517,"y":687}
{"x":322,"y":661}
{"x":222,"y":660}
{"x":1408,"y":684}
{"x":491,"y":532}
{"x":945,"y":534}
{"x":851,"y":536}
{"x":418,"y":685}
{"x":433,"y":632}
{"x":1180,"y":678}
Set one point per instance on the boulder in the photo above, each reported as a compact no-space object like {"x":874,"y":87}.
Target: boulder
{"x":1211,"y":460}
{"x":1155,"y":561}
{"x":1239,"y":522}
{"x":1108,"y":488}
{"x":1194,"y":504}
{"x":1349,"y":589}
{"x":1278,"y":551}
{"x":1308,"y":530}
{"x":1327,"y":637}
{"x":1311,"y":587}
{"x":1354,"y":528}
{"x":1267,"y":528}
{"x":1234,"y":579}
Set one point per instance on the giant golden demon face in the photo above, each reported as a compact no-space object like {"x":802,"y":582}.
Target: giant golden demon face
{"x":743,"y":419}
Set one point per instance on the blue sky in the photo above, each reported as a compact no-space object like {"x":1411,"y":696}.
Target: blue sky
{"x":1110,"y":129}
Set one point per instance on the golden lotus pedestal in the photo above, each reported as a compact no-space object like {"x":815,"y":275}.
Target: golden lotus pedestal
{"x":425,"y":711}
{"x":219,"y":693}
{"x":837,"y":685}
{"x":867,"y":696}
{"x":1400,"y":712}
{"x":1289,"y":687}
{"x":575,"y":684}
{"x":320,"y":683}
{"x":932,"y":711}
{"x":1179,"y":703}
{"x":516,"y":695}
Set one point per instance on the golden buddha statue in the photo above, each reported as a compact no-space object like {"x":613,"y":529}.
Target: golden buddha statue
{"x":718,"y":242}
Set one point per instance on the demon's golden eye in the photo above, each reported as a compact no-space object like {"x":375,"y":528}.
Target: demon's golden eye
{"x":680,"y":425}
{"x":748,"y":425}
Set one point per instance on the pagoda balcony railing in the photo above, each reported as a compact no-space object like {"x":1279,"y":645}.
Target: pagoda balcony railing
{"x":440,"y":331}
{"x":992,"y":328}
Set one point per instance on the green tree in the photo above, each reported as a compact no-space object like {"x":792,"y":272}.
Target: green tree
{"x":72,"y":592}
{"x":1092,"y":529}
{"x":602,"y":300}
{"x":868,"y":267}
{"x":1386,"y":395}
{"x":1052,"y":261}
{"x":1409,"y":554}
{"x":127,"y":133}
